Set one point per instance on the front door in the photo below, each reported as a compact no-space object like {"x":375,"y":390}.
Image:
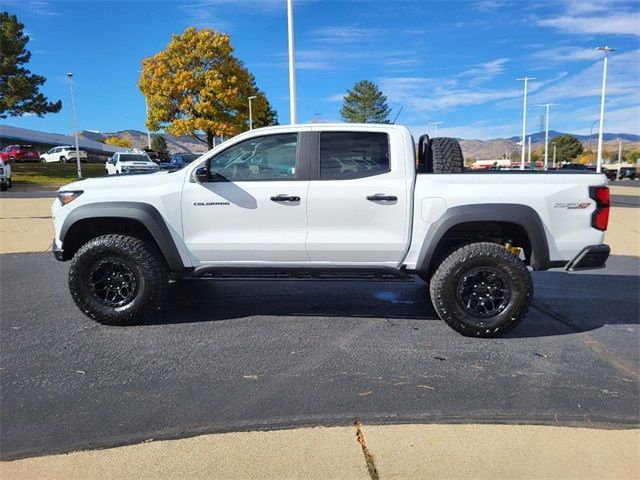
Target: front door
{"x":252,"y":208}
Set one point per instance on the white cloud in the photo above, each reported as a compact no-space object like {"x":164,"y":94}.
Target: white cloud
{"x":345,"y":34}
{"x":618,"y":23}
{"x":484,"y":72}
{"x":567,"y":54}
{"x":410,"y":92}
{"x":622,"y":80}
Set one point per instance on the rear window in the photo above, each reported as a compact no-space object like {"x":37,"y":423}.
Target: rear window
{"x":349,"y":155}
{"x":133,"y":157}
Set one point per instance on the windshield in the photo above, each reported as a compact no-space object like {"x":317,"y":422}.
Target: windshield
{"x":134,"y":157}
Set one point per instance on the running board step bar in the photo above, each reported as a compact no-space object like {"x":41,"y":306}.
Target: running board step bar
{"x":295,"y":273}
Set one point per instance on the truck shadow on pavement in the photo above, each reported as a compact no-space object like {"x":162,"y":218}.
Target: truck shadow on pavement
{"x":563,"y":303}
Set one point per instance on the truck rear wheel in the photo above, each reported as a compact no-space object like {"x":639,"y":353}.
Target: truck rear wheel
{"x":481,"y":290}
{"x":117,"y":279}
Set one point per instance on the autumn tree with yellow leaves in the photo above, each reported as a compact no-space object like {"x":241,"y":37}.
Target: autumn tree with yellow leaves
{"x":197,"y":87}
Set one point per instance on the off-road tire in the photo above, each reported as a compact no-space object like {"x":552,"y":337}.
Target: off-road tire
{"x":447,"y":293}
{"x":63,"y":159}
{"x":446,"y":155}
{"x":141,"y":257}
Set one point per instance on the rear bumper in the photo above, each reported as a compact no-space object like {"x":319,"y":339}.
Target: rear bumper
{"x":592,"y":257}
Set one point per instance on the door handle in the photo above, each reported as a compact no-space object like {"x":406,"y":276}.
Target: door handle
{"x":381,"y":197}
{"x":285,"y":198}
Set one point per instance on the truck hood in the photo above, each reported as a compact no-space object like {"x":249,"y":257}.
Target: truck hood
{"x":125,"y":181}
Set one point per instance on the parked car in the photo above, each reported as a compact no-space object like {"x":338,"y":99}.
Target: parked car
{"x":574,"y":166}
{"x":273,"y":201}
{"x":5,"y":175}
{"x":19,"y":153}
{"x":179,"y":160}
{"x":628,"y":172}
{"x":610,"y":174}
{"x":130,"y":162}
{"x":62,"y":154}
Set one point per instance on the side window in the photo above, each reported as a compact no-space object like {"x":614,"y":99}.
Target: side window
{"x":349,"y":155}
{"x":272,"y":157}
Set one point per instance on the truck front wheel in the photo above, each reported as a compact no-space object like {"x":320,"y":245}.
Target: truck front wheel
{"x":481,"y":290}
{"x":118,"y":279}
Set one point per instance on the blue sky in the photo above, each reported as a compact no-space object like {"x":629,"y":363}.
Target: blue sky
{"x":447,"y":61}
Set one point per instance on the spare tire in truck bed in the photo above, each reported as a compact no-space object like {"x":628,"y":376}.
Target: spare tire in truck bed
{"x":446,"y":155}
{"x":439,"y":155}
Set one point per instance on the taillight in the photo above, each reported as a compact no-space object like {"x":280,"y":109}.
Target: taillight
{"x":600,"y":217}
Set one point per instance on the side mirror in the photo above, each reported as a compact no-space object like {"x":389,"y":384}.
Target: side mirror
{"x":202,"y":174}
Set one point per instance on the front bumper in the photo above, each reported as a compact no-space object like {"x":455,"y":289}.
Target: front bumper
{"x":58,"y":253}
{"x":592,"y":257}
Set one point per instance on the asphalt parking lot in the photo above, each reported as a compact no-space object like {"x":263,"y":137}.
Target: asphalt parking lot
{"x":231,"y":355}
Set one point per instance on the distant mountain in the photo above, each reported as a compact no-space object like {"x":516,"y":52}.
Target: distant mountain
{"x":607,"y":137}
{"x":480,"y":149}
{"x":139,"y":140}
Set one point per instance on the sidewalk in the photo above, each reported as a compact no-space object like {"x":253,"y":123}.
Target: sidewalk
{"x":394,"y":451}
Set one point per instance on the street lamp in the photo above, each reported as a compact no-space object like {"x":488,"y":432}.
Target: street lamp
{"x":292,"y":65}
{"x":435,"y":127}
{"x":524,"y":119}
{"x":146,"y":109}
{"x":546,"y":132}
{"x":250,"y":113}
{"x":75,"y":122}
{"x":591,"y":134}
{"x":606,"y":51}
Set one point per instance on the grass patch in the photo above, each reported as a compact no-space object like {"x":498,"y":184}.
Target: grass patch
{"x":53,"y":173}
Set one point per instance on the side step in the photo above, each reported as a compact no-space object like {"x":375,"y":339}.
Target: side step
{"x":382,"y":274}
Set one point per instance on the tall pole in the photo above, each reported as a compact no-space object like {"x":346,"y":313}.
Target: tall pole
{"x":591,"y":134}
{"x":619,"y":156}
{"x":529,"y":153}
{"x":554,"y":154}
{"x":606,"y":51}
{"x":524,"y":119}
{"x":435,"y":127}
{"x":292,"y":66}
{"x":546,"y":132}
{"x":75,"y":123}
{"x":146,"y":106}
{"x":251,"y":113}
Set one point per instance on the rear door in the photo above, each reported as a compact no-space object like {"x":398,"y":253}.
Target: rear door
{"x":253,"y":209}
{"x":358,"y":210}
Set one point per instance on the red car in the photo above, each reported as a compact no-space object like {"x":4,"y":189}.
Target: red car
{"x":19,"y":153}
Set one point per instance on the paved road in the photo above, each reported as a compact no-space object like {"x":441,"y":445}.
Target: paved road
{"x":231,"y":355}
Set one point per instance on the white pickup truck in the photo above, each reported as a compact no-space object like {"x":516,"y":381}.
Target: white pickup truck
{"x":343,"y":201}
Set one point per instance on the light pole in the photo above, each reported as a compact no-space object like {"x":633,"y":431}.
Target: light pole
{"x":435,"y":127}
{"x":546,"y":132}
{"x":606,"y":51}
{"x":292,"y":65}
{"x":75,"y":122}
{"x":529,"y":153}
{"x":554,"y":154}
{"x":146,"y":106}
{"x":524,"y":118}
{"x":251,"y":113}
{"x":591,"y":134}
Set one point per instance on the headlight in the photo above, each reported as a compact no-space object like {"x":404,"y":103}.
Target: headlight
{"x":68,"y":196}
